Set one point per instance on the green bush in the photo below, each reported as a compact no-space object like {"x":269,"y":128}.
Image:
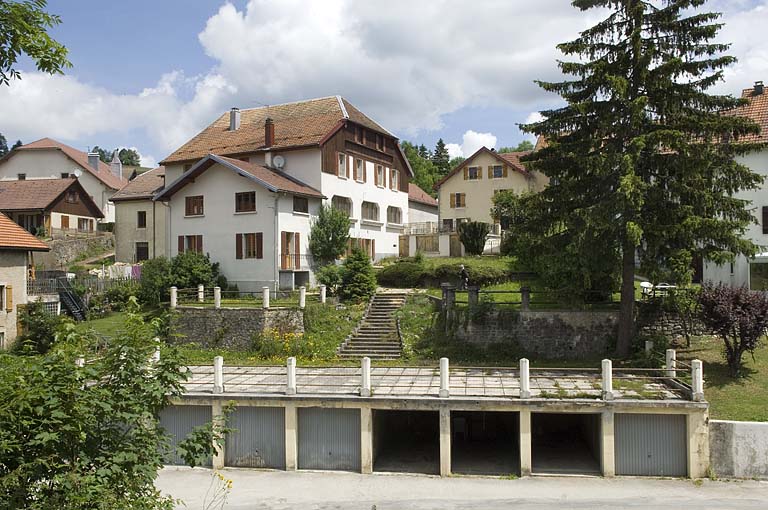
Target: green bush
{"x":358,"y":281}
{"x":402,"y":274}
{"x":190,"y":269}
{"x":330,"y":276}
{"x":39,"y":329}
{"x":117,"y":296}
{"x":472,"y":235}
{"x":155,"y":284}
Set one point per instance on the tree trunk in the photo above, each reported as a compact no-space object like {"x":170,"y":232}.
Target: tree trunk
{"x":627,"y":310}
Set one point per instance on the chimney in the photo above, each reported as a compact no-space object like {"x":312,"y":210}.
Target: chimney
{"x":93,"y":160}
{"x":269,"y":132}
{"x":758,"y":88}
{"x":116,"y":165}
{"x":234,"y":119}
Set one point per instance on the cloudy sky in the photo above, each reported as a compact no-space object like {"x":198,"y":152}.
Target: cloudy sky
{"x":151,"y":73}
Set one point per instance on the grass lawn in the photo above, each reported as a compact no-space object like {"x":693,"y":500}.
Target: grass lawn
{"x":731,"y":399}
{"x":105,"y":326}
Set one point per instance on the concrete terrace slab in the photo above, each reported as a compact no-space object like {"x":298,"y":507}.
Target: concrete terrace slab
{"x":424,"y":382}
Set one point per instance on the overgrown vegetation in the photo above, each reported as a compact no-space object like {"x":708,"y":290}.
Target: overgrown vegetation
{"x":431,"y":272}
{"x":185,"y":270}
{"x":39,"y":329}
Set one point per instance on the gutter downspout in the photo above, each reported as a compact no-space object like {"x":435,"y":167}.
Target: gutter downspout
{"x":154,"y":229}
{"x":277,"y":245}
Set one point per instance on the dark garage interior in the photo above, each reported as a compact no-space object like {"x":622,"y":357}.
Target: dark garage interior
{"x":566,"y":443}
{"x":406,"y":441}
{"x":485,"y":443}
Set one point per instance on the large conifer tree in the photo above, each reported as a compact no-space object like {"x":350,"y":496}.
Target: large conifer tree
{"x":641,"y":159}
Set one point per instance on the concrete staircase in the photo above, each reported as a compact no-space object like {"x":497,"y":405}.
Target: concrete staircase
{"x":376,"y":336}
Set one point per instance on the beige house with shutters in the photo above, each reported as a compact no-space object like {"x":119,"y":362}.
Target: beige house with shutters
{"x":466,"y":193}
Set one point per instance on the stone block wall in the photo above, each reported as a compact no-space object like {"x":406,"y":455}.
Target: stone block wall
{"x":738,"y":449}
{"x":65,"y":251}
{"x":233,"y":328}
{"x":556,"y":334}
{"x":652,"y":318}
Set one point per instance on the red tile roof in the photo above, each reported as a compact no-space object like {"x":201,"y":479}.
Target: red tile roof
{"x":144,"y":186}
{"x":271,"y":179}
{"x":104,"y":174}
{"x":416,"y":194}
{"x":299,"y":124}
{"x":757,"y":110}
{"x":13,"y":237}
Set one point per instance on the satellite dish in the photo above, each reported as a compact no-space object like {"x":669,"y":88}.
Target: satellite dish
{"x":279,"y":162}
{"x":78,"y":173}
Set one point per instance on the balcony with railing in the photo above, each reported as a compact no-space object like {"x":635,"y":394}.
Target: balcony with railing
{"x":295,"y":262}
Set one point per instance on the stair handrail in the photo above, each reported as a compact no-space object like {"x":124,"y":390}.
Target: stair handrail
{"x":66,"y":289}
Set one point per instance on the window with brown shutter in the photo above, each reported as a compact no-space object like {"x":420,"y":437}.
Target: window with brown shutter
{"x":245,"y":202}
{"x":453,"y":200}
{"x":194,"y":206}
{"x":765,"y":219}
{"x":65,"y":222}
{"x":259,"y":245}
{"x":284,"y":250}
{"x":9,"y":298}
{"x":296,"y":250}
{"x":180,"y":246}
{"x":238,"y":246}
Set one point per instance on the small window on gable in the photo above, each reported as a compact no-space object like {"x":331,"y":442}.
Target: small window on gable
{"x":473,"y":172}
{"x":71,"y":196}
{"x":498,"y":171}
{"x":300,"y":205}
{"x":341,"y":168}
{"x":245,"y":201}
{"x":194,"y":206}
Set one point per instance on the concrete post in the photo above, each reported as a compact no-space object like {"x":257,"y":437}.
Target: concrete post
{"x":473,"y":295}
{"x":697,"y":380}
{"x":291,"y":437}
{"x":302,"y":297}
{"x":217,"y":297}
{"x":525,"y":298}
{"x":156,"y":354}
{"x":200,"y":293}
{"x":366,"y":440}
{"x":265,"y":297}
{"x":525,"y":379}
{"x":607,"y":379}
{"x":445,"y":441}
{"x":648,"y":347}
{"x":218,"y":421}
{"x":291,"y":386}
{"x":449,"y":295}
{"x":365,"y":385}
{"x":698,"y":443}
{"x":671,"y":364}
{"x":445,"y":381}
{"x":218,"y":374}
{"x":322,"y":294}
{"x":525,"y":443}
{"x":174,"y":297}
{"x":608,"y":451}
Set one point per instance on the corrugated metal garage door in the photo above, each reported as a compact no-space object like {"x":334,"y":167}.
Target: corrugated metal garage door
{"x":259,"y":440}
{"x":178,"y":421}
{"x":651,"y":445}
{"x":329,"y":438}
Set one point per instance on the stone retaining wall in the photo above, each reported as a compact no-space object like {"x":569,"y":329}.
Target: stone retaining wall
{"x":65,"y":251}
{"x":738,"y":449}
{"x":557,"y":334}
{"x":233,"y":328}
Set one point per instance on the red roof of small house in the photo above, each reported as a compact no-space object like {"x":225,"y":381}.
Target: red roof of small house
{"x":757,"y":110}
{"x":510,"y":158}
{"x":416,"y":194}
{"x":42,"y":194}
{"x":13,"y":237}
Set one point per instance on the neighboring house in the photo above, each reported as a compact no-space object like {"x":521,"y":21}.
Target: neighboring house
{"x":742,"y":271}
{"x":252,"y":220}
{"x":49,"y":159}
{"x":466,"y":193}
{"x":422,"y":208}
{"x":58,"y":206}
{"x":326,"y":147}
{"x":140,"y":222}
{"x":16,"y":264}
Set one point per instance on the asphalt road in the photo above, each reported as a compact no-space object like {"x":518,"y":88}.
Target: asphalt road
{"x":277,"y":490}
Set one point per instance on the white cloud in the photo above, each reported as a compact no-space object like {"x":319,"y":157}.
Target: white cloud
{"x":405,"y":63}
{"x":471,"y":141}
{"x":147,"y":160}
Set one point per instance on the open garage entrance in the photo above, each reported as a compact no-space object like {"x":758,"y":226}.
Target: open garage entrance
{"x":485,"y":443}
{"x":566,"y":443}
{"x":406,"y":441}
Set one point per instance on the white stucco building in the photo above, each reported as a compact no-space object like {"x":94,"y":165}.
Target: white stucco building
{"x":266,"y":171}
{"x":752,"y":273}
{"x":50,"y":159}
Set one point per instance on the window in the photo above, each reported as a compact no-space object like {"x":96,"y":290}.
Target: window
{"x":381,"y":179}
{"x":359,"y":170}
{"x":394,"y":179}
{"x":244,"y":202}
{"x":6,"y":298}
{"x":458,"y":200}
{"x":290,"y":250}
{"x":190,"y":243}
{"x":448,"y":225}
{"x":360,"y":135}
{"x":496,"y":171}
{"x":301,"y":205}
{"x":22,"y":177}
{"x":249,"y":246}
{"x":84,"y":225}
{"x":141,"y":219}
{"x":2,"y":298}
{"x":142,"y":251}
{"x":394,"y":215}
{"x":342,"y":204}
{"x":71,"y":196}
{"x":341,"y":168}
{"x":370,"y":211}
{"x":194,"y":206}
{"x":64,"y":222}
{"x":380,"y":142}
{"x":473,"y":173}
{"x":65,"y":175}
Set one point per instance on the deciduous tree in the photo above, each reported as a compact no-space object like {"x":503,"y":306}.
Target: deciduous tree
{"x":641,"y":160}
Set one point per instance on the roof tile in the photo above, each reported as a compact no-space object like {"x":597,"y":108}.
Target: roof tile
{"x":143,"y":186}
{"x":13,"y":237}
{"x":416,"y":194}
